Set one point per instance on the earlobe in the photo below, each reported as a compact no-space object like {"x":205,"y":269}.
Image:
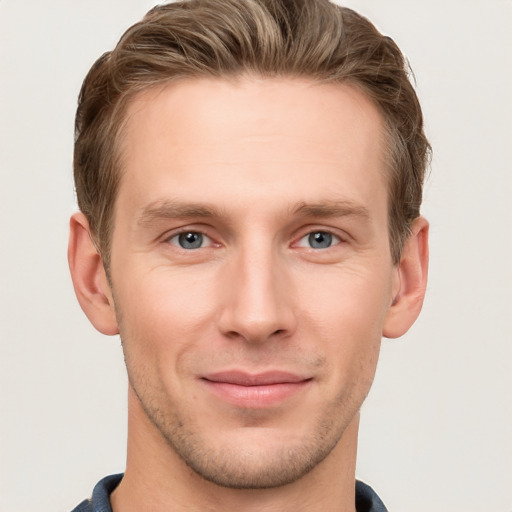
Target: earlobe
{"x":89,"y":279}
{"x":412,"y":274}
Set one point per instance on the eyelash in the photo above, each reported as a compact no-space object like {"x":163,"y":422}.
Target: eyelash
{"x":324,"y":234}
{"x":186,"y":232}
{"x":314,"y":236}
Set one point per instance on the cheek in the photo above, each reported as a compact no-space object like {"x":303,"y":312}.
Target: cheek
{"x":162,"y":313}
{"x":345,"y":311}
{"x":349,"y":299}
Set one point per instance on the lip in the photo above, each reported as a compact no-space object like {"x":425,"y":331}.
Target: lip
{"x":258,"y":390}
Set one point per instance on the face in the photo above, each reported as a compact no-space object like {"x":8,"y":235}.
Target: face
{"x":251,"y":270}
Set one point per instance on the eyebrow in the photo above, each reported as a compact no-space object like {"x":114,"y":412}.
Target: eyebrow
{"x":331,"y":209}
{"x":175,"y":210}
{"x":169,"y":209}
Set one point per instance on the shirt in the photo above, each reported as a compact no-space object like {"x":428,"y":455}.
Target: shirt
{"x":366,"y":499}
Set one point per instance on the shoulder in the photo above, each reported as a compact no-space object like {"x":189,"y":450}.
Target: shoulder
{"x":100,"y":500}
{"x":85,"y":506}
{"x":367,"y":499}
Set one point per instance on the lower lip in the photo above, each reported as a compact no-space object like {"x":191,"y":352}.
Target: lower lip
{"x":256,"y":396}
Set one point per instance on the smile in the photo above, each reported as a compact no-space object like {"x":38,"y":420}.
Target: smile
{"x":255,"y":390}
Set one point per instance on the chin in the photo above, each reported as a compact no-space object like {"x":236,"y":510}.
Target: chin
{"x":263,"y":468}
{"x":255,"y":457}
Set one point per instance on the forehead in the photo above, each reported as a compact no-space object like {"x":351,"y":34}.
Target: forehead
{"x":218,"y":140}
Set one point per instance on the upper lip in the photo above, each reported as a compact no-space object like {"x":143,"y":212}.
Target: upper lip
{"x":242,"y":378}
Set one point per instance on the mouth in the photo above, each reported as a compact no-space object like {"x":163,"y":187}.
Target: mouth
{"x":260,"y":390}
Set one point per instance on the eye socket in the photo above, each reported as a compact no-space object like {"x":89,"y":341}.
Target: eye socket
{"x":190,"y":240}
{"x":319,"y":240}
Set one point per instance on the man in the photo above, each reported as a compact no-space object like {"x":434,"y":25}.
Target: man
{"x":249,"y":176}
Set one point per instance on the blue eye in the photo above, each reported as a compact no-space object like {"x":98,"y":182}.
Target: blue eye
{"x":189,"y":240}
{"x":318,"y":240}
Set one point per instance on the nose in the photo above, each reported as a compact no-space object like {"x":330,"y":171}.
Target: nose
{"x":258,"y":298}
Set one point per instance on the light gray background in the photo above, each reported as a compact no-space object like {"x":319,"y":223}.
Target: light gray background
{"x":436,"y":430}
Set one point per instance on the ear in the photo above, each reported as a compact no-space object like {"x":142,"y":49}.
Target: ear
{"x":89,"y":278}
{"x":411,"y":282}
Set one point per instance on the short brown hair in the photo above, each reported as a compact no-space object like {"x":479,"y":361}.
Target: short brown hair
{"x":313,"y":39}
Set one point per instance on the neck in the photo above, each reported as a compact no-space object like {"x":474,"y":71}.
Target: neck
{"x":157,"y":479}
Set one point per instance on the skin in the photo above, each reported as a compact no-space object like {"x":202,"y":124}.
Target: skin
{"x":258,"y":168}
